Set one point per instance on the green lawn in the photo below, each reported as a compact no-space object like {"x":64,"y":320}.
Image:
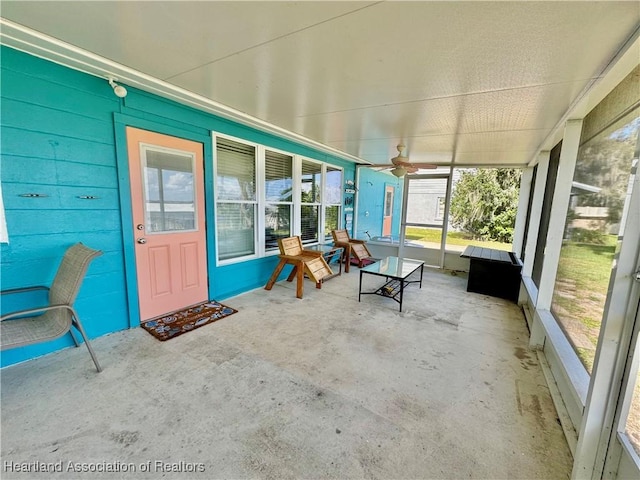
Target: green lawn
{"x":581,"y":290}
{"x":434,"y":235}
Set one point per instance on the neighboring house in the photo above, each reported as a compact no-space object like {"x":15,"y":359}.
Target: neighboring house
{"x":427,"y":200}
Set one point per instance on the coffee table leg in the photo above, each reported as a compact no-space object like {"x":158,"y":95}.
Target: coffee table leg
{"x":401,"y":292}
{"x":421,"y":270}
{"x":360,"y":286}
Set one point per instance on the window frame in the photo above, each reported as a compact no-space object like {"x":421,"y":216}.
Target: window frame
{"x":324,"y":238}
{"x":318,"y":204}
{"x":258,"y":194}
{"x":261,"y":202}
{"x":145,"y":148}
{"x":440,"y":207}
{"x":262,"y":180}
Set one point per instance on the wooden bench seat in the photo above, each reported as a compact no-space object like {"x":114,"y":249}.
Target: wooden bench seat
{"x":352,"y":248}
{"x":309,"y":262}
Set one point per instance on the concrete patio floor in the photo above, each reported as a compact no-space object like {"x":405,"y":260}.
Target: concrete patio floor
{"x":323,"y":387}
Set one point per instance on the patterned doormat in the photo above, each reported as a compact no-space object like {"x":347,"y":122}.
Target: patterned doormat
{"x":183,"y":321}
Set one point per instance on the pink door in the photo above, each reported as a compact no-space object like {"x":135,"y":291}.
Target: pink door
{"x":388,"y":210}
{"x":167,"y":198}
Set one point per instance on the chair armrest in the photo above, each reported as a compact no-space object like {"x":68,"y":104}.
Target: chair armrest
{"x":353,"y":240}
{"x":28,"y":311}
{"x":296,"y":258}
{"x":311,"y":253}
{"x":11,"y":291}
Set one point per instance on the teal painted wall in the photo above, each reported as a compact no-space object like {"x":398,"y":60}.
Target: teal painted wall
{"x":62,"y":136}
{"x":57,"y":140}
{"x":371,"y":188}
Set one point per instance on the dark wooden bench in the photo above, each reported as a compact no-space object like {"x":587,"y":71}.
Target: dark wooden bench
{"x":493,"y":272}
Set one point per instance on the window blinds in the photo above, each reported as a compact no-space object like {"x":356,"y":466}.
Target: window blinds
{"x":311,"y":182}
{"x":278,"y":172}
{"x":236,"y":170}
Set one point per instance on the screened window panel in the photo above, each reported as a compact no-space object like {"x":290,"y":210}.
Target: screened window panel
{"x":482,"y":210}
{"x":235,"y":225}
{"x":333,"y":189}
{"x":423,"y":200}
{"x":311,"y":182}
{"x":277,"y":224}
{"x":594,"y":229}
{"x":529,"y":204}
{"x":309,"y":219}
{"x":545,"y":216}
{"x":236,"y":170}
{"x":278,"y":177}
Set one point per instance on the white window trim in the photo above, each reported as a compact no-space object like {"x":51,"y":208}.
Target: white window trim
{"x":261,"y":201}
{"x":325,"y":185}
{"x":263,"y":197}
{"x":256,"y":254}
{"x":317,"y":204}
{"x":440,"y":211}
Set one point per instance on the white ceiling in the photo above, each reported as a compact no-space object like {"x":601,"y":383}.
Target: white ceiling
{"x":468,"y":82}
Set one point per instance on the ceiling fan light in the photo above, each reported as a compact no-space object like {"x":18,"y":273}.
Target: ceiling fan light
{"x":399,"y":171}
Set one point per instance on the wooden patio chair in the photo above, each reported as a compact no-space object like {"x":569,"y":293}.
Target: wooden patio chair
{"x":45,"y":323}
{"x":352,"y":248}
{"x":309,"y":262}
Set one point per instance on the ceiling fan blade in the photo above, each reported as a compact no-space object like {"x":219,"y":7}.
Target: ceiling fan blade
{"x":383,"y":166}
{"x":397,"y":170}
{"x":416,"y":165}
{"x":423,"y":165}
{"x":409,"y":167}
{"x":400,"y":160}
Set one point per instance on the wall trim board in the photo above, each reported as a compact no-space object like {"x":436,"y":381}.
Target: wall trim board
{"x":566,"y":423}
{"x":569,"y":365}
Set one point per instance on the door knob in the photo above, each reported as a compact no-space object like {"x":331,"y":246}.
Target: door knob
{"x":142,"y":240}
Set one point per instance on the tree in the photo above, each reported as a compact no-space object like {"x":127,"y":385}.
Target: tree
{"x":605,"y":162}
{"x":484,"y":203}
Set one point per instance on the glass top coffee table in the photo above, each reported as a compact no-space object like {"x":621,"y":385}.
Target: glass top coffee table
{"x":396,"y":272}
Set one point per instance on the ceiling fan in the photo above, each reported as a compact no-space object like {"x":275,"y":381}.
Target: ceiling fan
{"x":400,"y":165}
